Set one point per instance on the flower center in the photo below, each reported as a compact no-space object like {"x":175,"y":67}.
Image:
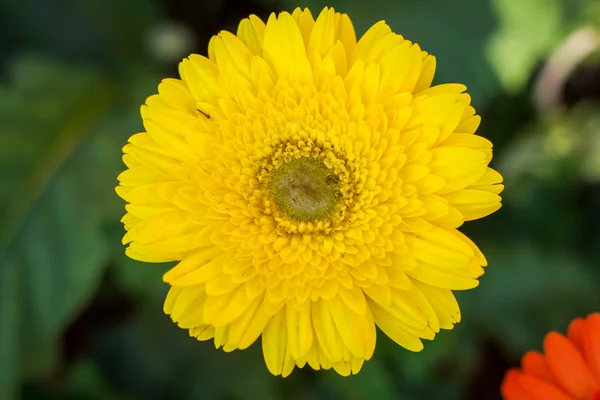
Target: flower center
{"x":305,"y":189}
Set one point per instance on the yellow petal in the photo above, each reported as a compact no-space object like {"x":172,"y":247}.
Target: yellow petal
{"x":427,"y":74}
{"x":236,"y":304}
{"x":305,"y":22}
{"x":346,"y":34}
{"x":377,"y":41}
{"x":188,"y":300}
{"x":221,"y":335}
{"x":299,"y":330}
{"x":193,"y":262}
{"x":432,"y":110}
{"x":469,"y":125}
{"x":423,"y":304}
{"x":370,"y":84}
{"x":201,"y":76}
{"x":257,"y":324}
{"x":177,"y":95}
{"x":252,"y":31}
{"x":490,"y":177}
{"x":443,"y":302}
{"x":203,"y":332}
{"x":140,"y":253}
{"x":460,"y":167}
{"x":284,"y":50}
{"x":323,"y":35}
{"x":382,"y":295}
{"x":220,"y":285}
{"x":169,"y":131}
{"x":478,"y":254}
{"x":447,"y":239}
{"x":395,"y":331}
{"x":171,"y":299}
{"x":342,"y":368}
{"x":406,"y":311}
{"x":240,"y":326}
{"x":274,"y":344}
{"x":194,"y":314}
{"x":232,"y":55}
{"x":356,"y":331}
{"x":443,"y":278}
{"x":467,"y":140}
{"x":137,"y":176}
{"x":325,"y":330}
{"x":474,"y":204}
{"x":400,"y":69}
{"x":430,"y":251}
{"x":353,"y":298}
{"x":398,"y":278}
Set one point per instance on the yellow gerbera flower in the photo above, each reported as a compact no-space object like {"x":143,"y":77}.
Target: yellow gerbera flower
{"x":311,"y":187}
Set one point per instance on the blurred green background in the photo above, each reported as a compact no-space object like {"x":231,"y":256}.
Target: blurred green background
{"x":78,"y":320}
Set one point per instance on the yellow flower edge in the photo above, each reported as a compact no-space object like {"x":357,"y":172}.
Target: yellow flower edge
{"x":311,"y":187}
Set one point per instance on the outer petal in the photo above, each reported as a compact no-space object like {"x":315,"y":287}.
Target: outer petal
{"x":283,"y":49}
{"x":591,"y":344}
{"x":252,"y":32}
{"x":534,"y":363}
{"x":305,"y":21}
{"x":568,"y":366}
{"x":275,"y":349}
{"x":520,"y":386}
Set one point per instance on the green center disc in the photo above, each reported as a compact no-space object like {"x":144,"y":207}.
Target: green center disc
{"x":305,"y":189}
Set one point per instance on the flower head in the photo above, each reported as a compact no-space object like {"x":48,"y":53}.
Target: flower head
{"x":569,"y":369}
{"x":311,"y":186}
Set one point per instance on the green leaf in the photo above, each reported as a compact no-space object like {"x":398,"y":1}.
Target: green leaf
{"x":454,"y":31}
{"x":9,"y":332}
{"x":52,"y":249}
{"x":528,"y":31}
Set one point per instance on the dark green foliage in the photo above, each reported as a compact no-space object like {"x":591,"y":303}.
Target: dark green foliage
{"x":79,"y":320}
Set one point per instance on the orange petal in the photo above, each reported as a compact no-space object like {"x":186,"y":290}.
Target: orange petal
{"x":511,"y":388}
{"x":542,"y":390}
{"x":535,"y":364}
{"x":591,"y":345}
{"x":575,"y":332}
{"x":520,"y":386}
{"x":568,"y":366}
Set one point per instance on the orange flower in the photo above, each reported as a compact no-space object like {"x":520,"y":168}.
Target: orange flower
{"x":569,"y":369}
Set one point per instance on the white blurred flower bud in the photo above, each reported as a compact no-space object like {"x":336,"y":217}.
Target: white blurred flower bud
{"x":170,"y":41}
